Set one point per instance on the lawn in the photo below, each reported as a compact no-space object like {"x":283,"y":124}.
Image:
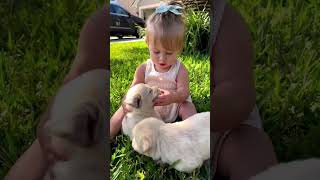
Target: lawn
{"x":287,"y":68}
{"x":125,"y":162}
{"x":38,"y":41}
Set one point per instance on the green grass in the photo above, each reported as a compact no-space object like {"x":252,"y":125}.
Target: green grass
{"x":286,"y":40}
{"x":38,"y":41}
{"x":125,"y":162}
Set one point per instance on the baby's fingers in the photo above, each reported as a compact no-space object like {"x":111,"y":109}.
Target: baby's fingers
{"x":158,"y":103}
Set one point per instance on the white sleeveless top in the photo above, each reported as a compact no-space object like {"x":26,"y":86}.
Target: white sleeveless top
{"x":168,"y":81}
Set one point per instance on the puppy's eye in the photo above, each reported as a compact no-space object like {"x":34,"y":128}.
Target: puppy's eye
{"x":150,"y":91}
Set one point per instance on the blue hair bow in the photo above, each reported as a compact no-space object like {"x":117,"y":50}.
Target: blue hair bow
{"x":171,"y":8}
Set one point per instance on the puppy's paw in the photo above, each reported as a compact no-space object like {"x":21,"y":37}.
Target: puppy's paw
{"x":159,"y":162}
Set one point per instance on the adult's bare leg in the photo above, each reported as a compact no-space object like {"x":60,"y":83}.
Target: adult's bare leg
{"x":246,"y":152}
{"x":30,"y":166}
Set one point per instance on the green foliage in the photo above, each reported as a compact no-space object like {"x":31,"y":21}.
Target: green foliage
{"x":286,"y":41}
{"x":141,"y":31}
{"x":197,"y":32}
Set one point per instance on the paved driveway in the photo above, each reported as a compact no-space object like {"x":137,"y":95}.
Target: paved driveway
{"x":125,"y":39}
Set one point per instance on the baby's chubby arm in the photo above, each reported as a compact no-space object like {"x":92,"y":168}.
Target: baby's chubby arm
{"x":116,"y":119}
{"x":181,"y":94}
{"x":139,"y":75}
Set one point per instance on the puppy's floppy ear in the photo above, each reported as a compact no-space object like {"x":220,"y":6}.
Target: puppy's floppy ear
{"x":87,"y":127}
{"x":155,"y":88}
{"x":156,"y":91}
{"x":146,"y":144}
{"x":136,"y":102}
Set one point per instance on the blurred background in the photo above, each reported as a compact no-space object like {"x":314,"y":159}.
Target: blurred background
{"x":38,"y":42}
{"x":286,"y":38}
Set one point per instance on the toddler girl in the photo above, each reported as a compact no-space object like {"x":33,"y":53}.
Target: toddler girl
{"x":165,"y":30}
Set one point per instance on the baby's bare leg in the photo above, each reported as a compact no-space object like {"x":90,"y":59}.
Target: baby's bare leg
{"x":23,"y":169}
{"x":186,"y":110}
{"x":116,"y":122}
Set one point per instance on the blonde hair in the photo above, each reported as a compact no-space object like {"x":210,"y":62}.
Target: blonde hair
{"x":166,"y":28}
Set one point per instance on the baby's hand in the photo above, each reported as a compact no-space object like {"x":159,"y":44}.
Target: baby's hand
{"x":165,"y":98}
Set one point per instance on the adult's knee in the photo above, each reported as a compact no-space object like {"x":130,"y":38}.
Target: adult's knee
{"x":246,"y":149}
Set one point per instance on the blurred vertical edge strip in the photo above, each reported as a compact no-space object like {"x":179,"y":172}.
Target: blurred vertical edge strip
{"x":108,"y":152}
{"x":211,"y":44}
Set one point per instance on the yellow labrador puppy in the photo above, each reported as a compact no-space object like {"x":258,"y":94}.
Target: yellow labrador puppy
{"x":77,"y":122}
{"x":185,"y":144}
{"x":308,"y":169}
{"x":139,"y":101}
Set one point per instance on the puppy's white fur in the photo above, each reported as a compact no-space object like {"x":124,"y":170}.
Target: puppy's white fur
{"x":139,"y":100}
{"x":77,"y":121}
{"x":296,"y":170}
{"x":185,"y":143}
